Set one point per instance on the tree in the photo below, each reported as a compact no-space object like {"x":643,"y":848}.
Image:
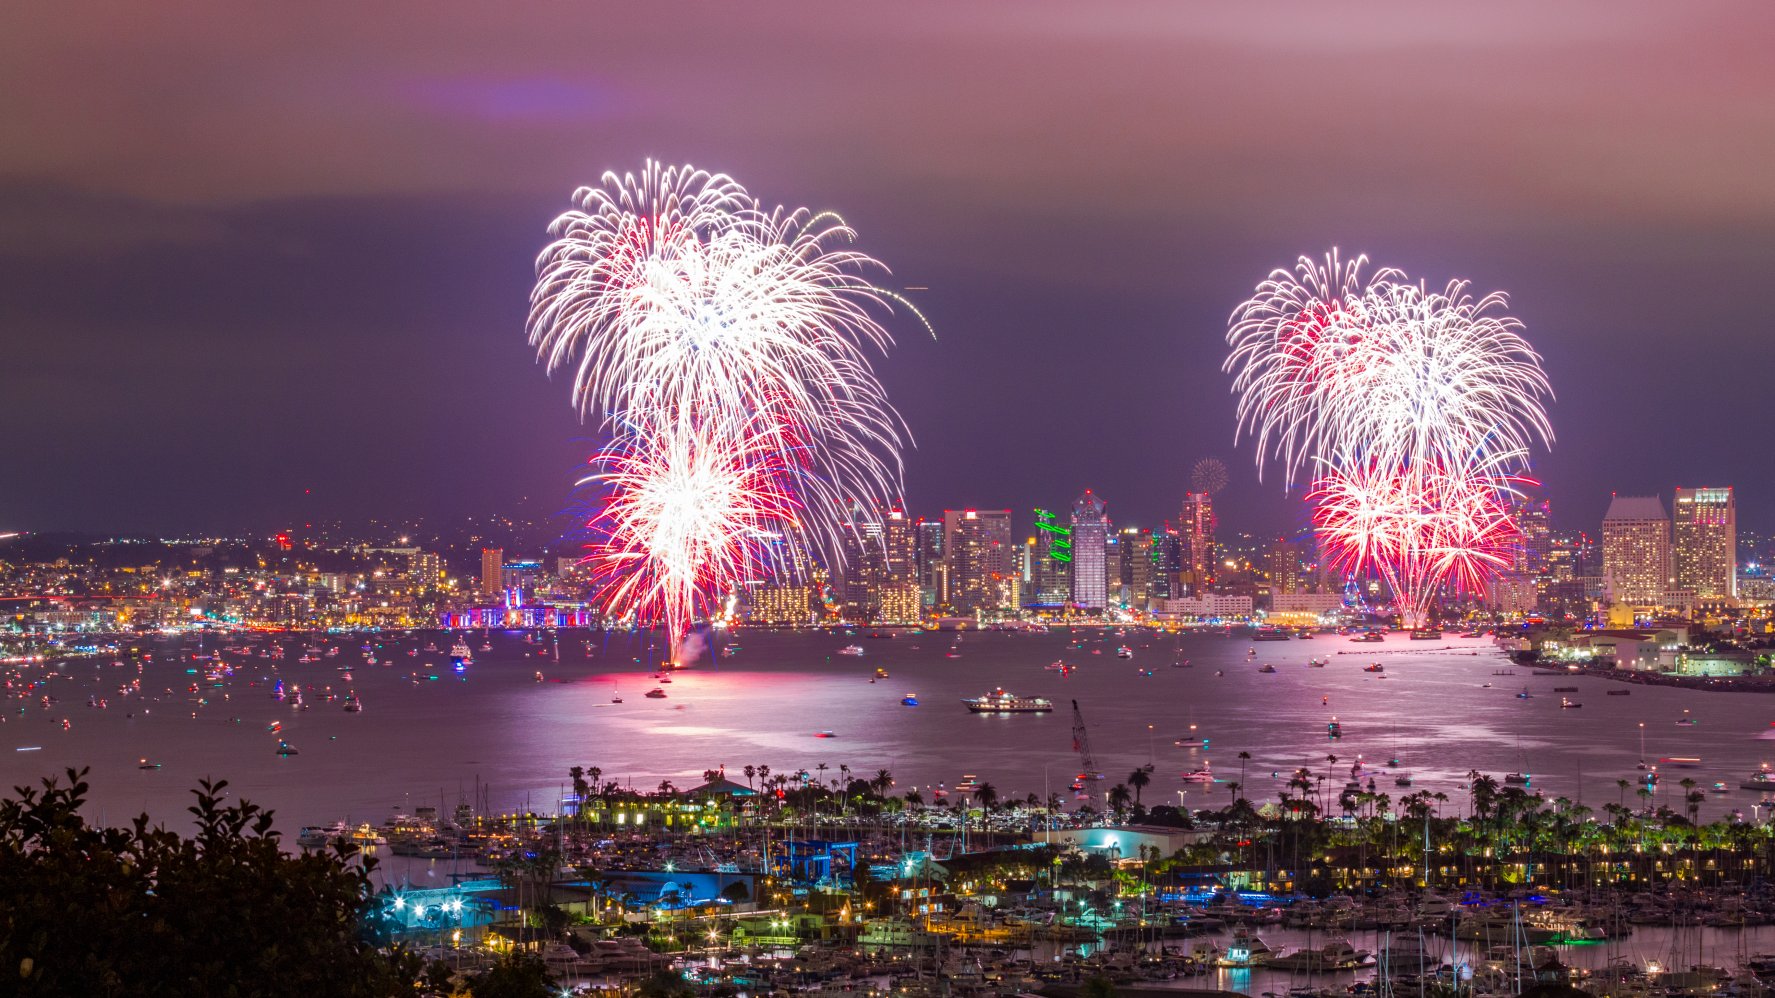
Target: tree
{"x":1137,"y":781}
{"x":518,"y":974}
{"x":141,"y":910}
{"x":1118,"y":797}
{"x":750,"y":772}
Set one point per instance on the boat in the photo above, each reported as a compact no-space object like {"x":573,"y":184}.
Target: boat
{"x":1335,"y":955}
{"x":1245,"y":950}
{"x":851,"y":650}
{"x":316,"y":836}
{"x":1000,"y":702}
{"x":1516,"y":779}
{"x":617,"y":698}
{"x":1402,"y":780}
{"x":1619,"y":693}
{"x":460,"y":654}
{"x":145,"y":764}
{"x":824,"y":734}
{"x":1317,"y":663}
{"x":1334,"y":729}
{"x":881,"y":674}
{"x":1762,"y":779}
{"x":909,"y":700}
{"x":1426,"y":634}
{"x":1685,"y":720}
{"x":1565,"y":689}
{"x":1680,"y":761}
{"x":1124,"y":652}
{"x":1376,"y":667}
{"x":1370,"y":637}
{"x":352,"y":704}
{"x":1203,"y":775}
{"x":285,"y":748}
{"x":656,"y":694}
{"x":1525,"y":694}
{"x":1271,"y":634}
{"x":1567,"y":703}
{"x":1267,"y":667}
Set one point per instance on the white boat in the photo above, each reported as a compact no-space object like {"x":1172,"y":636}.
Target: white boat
{"x":1000,"y":702}
{"x":460,"y":653}
{"x":316,"y":836}
{"x":852,"y":650}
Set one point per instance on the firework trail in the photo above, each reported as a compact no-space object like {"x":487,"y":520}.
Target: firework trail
{"x":1414,"y":410}
{"x":690,"y":314}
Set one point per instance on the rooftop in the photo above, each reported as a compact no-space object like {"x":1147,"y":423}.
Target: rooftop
{"x":1635,"y":508}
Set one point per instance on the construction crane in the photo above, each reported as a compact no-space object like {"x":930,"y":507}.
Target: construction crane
{"x":1081,"y":743}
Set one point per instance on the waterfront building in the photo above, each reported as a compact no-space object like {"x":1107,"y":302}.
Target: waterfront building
{"x":781,"y":604}
{"x":1195,"y":528}
{"x":1090,"y":553}
{"x":880,"y":581}
{"x":492,"y":572}
{"x":1209,"y":606}
{"x":1636,"y":550}
{"x":1704,"y":548}
{"x":979,"y":576}
{"x":1135,"y":568}
{"x":928,"y":557}
{"x":1050,"y":563}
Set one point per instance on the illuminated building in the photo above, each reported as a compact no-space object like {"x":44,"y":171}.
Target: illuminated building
{"x":1636,"y":550}
{"x":1090,"y":553}
{"x":1282,"y":562}
{"x":927,"y":538}
{"x":978,"y":573}
{"x":425,"y":568}
{"x":1530,"y":551}
{"x":1134,"y":567}
{"x":1050,"y":563}
{"x":1195,"y":529}
{"x":881,"y":583}
{"x":492,"y":571}
{"x":1704,"y":545}
{"x":781,"y":604}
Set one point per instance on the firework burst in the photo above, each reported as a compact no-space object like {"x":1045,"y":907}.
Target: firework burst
{"x":1415,"y":410}
{"x":692,"y":317}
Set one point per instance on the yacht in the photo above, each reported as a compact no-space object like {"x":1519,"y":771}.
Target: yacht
{"x":1000,"y":702}
{"x":1334,"y":729}
{"x":1516,"y":779}
{"x":910,"y":700}
{"x":1203,"y":775}
{"x":1762,"y":779}
{"x":1124,"y":652}
{"x":1371,"y":637}
{"x":852,"y":650}
{"x":285,"y":748}
{"x":1426,"y":634}
{"x":316,"y":836}
{"x":1375,"y":667}
{"x":1267,"y":667}
{"x":1567,"y":703}
{"x":460,"y":653}
{"x":656,"y":694}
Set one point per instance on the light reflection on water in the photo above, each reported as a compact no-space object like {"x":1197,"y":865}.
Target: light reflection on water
{"x":421,"y":741}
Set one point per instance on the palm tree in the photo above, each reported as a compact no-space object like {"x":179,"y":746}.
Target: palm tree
{"x":1118,"y":797}
{"x":1244,"y":757}
{"x":987,"y":797}
{"x":883,"y":782}
{"x":1138,"y":781}
{"x":750,"y":772}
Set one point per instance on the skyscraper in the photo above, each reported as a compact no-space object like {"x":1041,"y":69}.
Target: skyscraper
{"x":1282,"y":564}
{"x":978,"y":569}
{"x":1195,"y":528}
{"x":1050,"y":569}
{"x":1704,"y":550}
{"x":1636,"y":550}
{"x":1090,"y":550}
{"x":928,"y":553}
{"x":492,"y":571}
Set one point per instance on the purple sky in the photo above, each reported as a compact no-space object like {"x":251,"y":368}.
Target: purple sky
{"x":250,"y":251}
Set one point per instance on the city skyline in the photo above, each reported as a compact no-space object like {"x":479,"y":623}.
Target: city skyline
{"x":312,"y":335}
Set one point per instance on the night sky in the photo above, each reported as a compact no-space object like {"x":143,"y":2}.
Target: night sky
{"x":270,"y":263}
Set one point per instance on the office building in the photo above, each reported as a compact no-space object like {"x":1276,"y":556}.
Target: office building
{"x":927,"y":538}
{"x":978,"y":569}
{"x":1090,"y":553}
{"x":1704,"y":543}
{"x":1050,"y":563}
{"x":1282,"y":563}
{"x":1636,"y":551}
{"x":492,"y":571}
{"x":1195,"y":529}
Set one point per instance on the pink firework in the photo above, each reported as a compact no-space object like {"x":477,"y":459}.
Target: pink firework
{"x":694,"y":503}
